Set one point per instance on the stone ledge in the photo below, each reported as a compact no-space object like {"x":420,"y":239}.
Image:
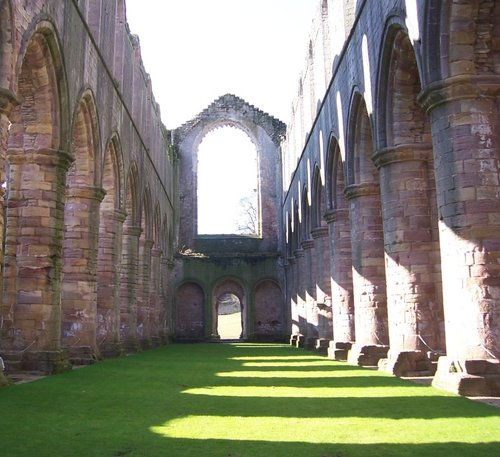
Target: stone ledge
{"x":472,"y":378}
{"x":367,"y":355}
{"x":407,"y":363}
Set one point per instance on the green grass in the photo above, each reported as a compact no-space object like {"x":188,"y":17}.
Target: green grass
{"x":240,"y":400}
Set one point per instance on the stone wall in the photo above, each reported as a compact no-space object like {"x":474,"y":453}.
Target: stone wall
{"x":87,"y":185}
{"x":246,"y":266}
{"x":401,"y":162}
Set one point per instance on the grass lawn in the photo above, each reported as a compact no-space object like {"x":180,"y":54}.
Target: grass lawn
{"x":239,"y":400}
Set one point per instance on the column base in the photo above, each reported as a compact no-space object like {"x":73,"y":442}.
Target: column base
{"x":3,"y":380}
{"x":471,"y":378}
{"x":367,"y":355}
{"x":338,"y":350}
{"x":293,"y":340}
{"x":145,"y":344}
{"x":301,"y":341}
{"x":43,"y":362}
{"x":131,"y":345}
{"x":310,"y":342}
{"x":322,"y":345}
{"x":111,"y":350}
{"x":156,"y":342}
{"x":82,"y":355}
{"x":407,"y":363}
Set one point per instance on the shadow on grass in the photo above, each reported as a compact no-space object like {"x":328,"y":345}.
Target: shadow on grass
{"x":140,"y":406}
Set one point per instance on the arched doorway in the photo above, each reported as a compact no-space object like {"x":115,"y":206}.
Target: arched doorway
{"x":228,"y":310}
{"x":229,"y":325}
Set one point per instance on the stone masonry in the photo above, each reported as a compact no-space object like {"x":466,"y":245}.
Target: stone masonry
{"x":83,"y":161}
{"x":378,"y":201}
{"x":406,"y":138}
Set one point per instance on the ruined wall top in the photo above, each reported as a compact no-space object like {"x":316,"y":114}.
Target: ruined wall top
{"x":229,"y":108}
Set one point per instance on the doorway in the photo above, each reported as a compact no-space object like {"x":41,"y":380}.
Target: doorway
{"x":229,"y":326}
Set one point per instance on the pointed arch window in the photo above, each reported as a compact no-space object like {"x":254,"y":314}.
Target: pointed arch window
{"x":228,"y":189}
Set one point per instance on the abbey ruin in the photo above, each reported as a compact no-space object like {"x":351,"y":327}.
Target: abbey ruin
{"x":378,"y":237}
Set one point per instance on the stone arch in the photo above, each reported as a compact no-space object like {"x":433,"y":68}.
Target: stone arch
{"x":111,"y":217}
{"x":409,"y":212}
{"x":264,"y":131}
{"x":269,"y":319}
{"x":360,"y":146}
{"x":317,"y":199}
{"x":367,"y":242}
{"x":155,"y":314}
{"x":233,"y":286}
{"x":240,"y":162}
{"x":80,"y":244}
{"x":320,"y":264}
{"x":35,"y":197}
{"x":342,"y":298}
{"x":129,"y":276}
{"x":144,"y":270}
{"x":40,"y":121}
{"x":401,"y":118}
{"x":189,"y":312}
{"x":335,"y":177}
{"x":165,"y":243}
{"x":305,"y":226}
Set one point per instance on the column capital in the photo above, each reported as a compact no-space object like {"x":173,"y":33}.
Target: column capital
{"x":319,"y":232}
{"x":156,"y":252}
{"x":8,"y":100}
{"x":459,"y":87}
{"x":307,"y":244}
{"x":132,"y":230}
{"x":334,"y":215}
{"x":87,"y":192}
{"x":361,"y":190}
{"x":415,"y":152}
{"x":41,"y":156}
{"x":298,"y":253}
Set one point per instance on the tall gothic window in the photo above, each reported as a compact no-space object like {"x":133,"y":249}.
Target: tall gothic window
{"x":228,"y":190}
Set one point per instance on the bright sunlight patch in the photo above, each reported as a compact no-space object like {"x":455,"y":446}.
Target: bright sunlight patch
{"x":322,"y":430}
{"x":305,"y":392}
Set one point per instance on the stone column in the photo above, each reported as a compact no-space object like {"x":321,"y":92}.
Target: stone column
{"x":154,"y":297}
{"x":291,"y":284}
{"x":166,"y":326}
{"x":369,"y":286}
{"x":300,"y":294}
{"x":108,"y":282}
{"x":128,"y":288}
{"x":32,"y":277}
{"x":309,"y":279}
{"x":341,"y":283}
{"x":412,"y":267}
{"x":79,"y":283}
{"x":466,"y":136}
{"x":7,"y":102}
{"x":143,"y":304}
{"x":323,"y":288}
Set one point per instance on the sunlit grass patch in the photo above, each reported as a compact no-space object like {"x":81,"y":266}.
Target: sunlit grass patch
{"x":324,"y":430}
{"x":308,"y":392}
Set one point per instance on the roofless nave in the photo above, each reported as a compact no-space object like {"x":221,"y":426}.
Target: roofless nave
{"x":379,"y":232}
